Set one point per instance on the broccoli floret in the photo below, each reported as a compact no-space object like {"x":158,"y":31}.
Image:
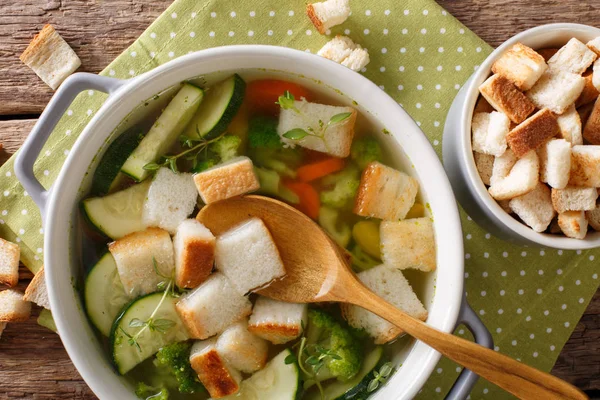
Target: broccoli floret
{"x":327,"y":334}
{"x":329,"y":220}
{"x":226,"y":147}
{"x":147,"y":392}
{"x":345,"y":185}
{"x":270,"y":184}
{"x":361,"y":260}
{"x":365,"y":150}
{"x":205,"y":164}
{"x":176,"y":357}
{"x":262,"y":133}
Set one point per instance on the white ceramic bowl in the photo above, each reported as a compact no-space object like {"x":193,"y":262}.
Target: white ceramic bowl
{"x":458,"y":153}
{"x":59,"y":206}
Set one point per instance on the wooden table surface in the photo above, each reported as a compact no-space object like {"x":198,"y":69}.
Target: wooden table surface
{"x":33,"y":363}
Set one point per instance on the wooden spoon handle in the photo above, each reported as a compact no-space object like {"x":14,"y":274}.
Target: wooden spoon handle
{"x":521,"y":380}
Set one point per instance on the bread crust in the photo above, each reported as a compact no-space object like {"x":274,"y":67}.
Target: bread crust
{"x":591,"y":130}
{"x":312,"y":15}
{"x":590,"y":93}
{"x":585,"y":169}
{"x":532,"y":133}
{"x":275,"y":333}
{"x":573,"y":224}
{"x":226,"y":181}
{"x":12,"y":253}
{"x":196,"y":262}
{"x":503,"y":95}
{"x":214,"y":374}
{"x":37,"y":43}
{"x":511,"y":66}
{"x":36,"y":291}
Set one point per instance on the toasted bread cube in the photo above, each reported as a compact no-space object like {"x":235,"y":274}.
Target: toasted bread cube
{"x":12,"y":306}
{"x":229,"y":179}
{"x":535,"y":208}
{"x":590,"y":92}
{"x":593,"y":217}
{"x":556,"y":90}
{"x":327,"y":14}
{"x":36,"y":292}
{"x":2,"y":327}
{"x":277,"y":321}
{"x":10,"y":254}
{"x":570,"y":126}
{"x":385,"y":193}
{"x":555,"y":163}
{"x":212,"y":307}
{"x":596,"y":75}
{"x":591,"y":130}
{"x":521,"y":65}
{"x":502,"y":165}
{"x":574,"y":198}
{"x":136,"y":255}
{"x":594,"y":45}
{"x":585,"y":166}
{"x":522,"y":178}
{"x":408,"y":244}
{"x":343,"y":50}
{"x":391,"y":285}
{"x":532,"y":133}
{"x":584,"y":113}
{"x":337,"y":138}
{"x":573,"y":224}
{"x":505,"y":205}
{"x":547,"y":53}
{"x":248,"y":256}
{"x":506,"y":98}
{"x":50,"y":57}
{"x":242,"y":349}
{"x":574,"y":57}
{"x":489,"y":133}
{"x":171,"y":199}
{"x":485,"y":165}
{"x":194,"y":254}
{"x":218,"y":377}
{"x":482,"y":106}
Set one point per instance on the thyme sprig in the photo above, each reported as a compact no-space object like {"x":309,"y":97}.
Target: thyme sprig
{"x":380,"y":377}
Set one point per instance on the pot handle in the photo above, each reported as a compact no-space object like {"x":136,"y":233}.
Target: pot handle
{"x":467,"y":379}
{"x":55,"y":109}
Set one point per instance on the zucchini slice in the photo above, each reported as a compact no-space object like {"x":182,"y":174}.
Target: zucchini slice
{"x":120,"y":213}
{"x":165,"y":131}
{"x":104,"y":294}
{"x":127,"y":355}
{"x":221,"y":104}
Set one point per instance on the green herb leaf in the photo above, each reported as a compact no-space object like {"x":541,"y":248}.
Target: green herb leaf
{"x":295,"y":134}
{"x":386,"y":369}
{"x":163,"y":325}
{"x":173,"y":165}
{"x":290,"y":359}
{"x":161,"y":285}
{"x":151,"y":167}
{"x":337,"y":118}
{"x":286,"y":101}
{"x":373,"y":385}
{"x":136,"y":323}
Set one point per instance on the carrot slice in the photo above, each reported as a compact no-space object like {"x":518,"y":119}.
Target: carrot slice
{"x":319,"y":169}
{"x":263,"y":94}
{"x":308,"y":195}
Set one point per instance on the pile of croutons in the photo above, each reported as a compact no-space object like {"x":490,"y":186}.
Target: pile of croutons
{"x":536,"y":136}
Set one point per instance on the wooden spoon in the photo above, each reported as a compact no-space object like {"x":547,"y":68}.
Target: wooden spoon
{"x":317,"y":271}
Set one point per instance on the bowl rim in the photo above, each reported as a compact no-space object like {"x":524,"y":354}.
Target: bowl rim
{"x":446,"y":303}
{"x":468,"y":160}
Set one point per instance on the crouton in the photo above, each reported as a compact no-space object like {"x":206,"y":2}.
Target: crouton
{"x":522,"y":178}
{"x":141,"y":258}
{"x":547,"y":53}
{"x":570,"y":125}
{"x":229,"y":179}
{"x":242,"y":349}
{"x":277,"y":321}
{"x":36,"y":292}
{"x":554,"y":228}
{"x":408,"y":244}
{"x":248,"y":256}
{"x":502,"y":165}
{"x":385,"y":193}
{"x":506,"y":98}
{"x":521,"y":65}
{"x":218,"y":377}
{"x":556,"y":90}
{"x":212,"y":307}
{"x":596,"y":75}
{"x":591,"y":130}
{"x":573,"y":224}
{"x":590,"y":92}
{"x":584,"y":113}
{"x":327,"y":14}
{"x":574,"y":57}
{"x":391,"y":285}
{"x":337,"y":137}
{"x":532,"y":133}
{"x":482,"y":106}
{"x":50,"y":57}
{"x":171,"y":199}
{"x":574,"y":198}
{"x":585,"y":166}
{"x":593,"y":217}
{"x":194,"y":248}
{"x":343,"y":50}
{"x":535,"y":208}
{"x":594,"y":45}
{"x":10,"y":254}
{"x":505,"y":205}
{"x":2,"y":327}
{"x":12,"y":306}
{"x":489,"y":133}
{"x":484,"y":164}
{"x":555,"y":163}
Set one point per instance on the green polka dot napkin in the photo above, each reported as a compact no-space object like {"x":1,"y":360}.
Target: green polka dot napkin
{"x":530,"y":299}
